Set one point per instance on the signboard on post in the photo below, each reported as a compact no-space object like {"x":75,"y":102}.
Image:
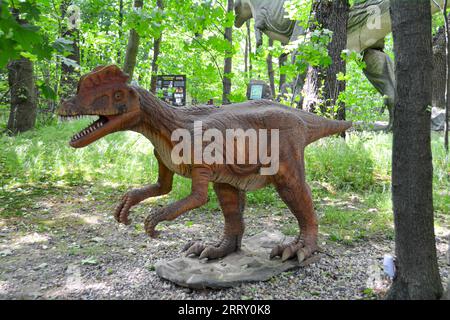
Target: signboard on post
{"x":256,"y":92}
{"x":172,"y":89}
{"x":258,"y":89}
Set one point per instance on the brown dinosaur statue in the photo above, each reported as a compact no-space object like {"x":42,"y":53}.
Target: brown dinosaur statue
{"x":120,"y":106}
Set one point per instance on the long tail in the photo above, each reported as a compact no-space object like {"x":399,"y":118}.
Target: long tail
{"x":319,"y":127}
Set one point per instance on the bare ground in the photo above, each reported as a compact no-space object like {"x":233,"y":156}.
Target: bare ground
{"x":70,"y":247}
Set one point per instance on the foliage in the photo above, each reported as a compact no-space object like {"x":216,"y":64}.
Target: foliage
{"x":193,"y":44}
{"x":20,"y":39}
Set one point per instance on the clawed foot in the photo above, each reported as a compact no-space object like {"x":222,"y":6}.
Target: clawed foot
{"x":297,"y":248}
{"x":152,"y":220}
{"x":227,"y":245}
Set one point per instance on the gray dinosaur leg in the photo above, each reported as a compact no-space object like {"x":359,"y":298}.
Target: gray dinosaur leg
{"x":380,"y":72}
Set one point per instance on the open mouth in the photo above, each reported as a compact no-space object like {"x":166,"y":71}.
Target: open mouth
{"x":89,"y":131}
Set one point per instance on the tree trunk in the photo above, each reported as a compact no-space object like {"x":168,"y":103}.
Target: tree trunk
{"x":439,"y":70}
{"x":23,"y":96}
{"x":447,"y":293}
{"x":249,"y":42}
{"x":132,"y":47}
{"x":228,"y":65}
{"x":331,"y":15}
{"x":447,"y":73}
{"x":246,"y":53}
{"x":69,"y":74}
{"x":282,"y":60}
{"x":412,"y":169}
{"x":119,"y":52}
{"x":22,"y":116}
{"x":156,"y":51}
{"x":270,"y":71}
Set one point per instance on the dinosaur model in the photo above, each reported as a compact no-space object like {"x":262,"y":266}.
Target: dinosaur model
{"x":105,"y":93}
{"x":368,"y":24}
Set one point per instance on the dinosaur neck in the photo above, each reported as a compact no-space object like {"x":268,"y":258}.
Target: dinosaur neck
{"x":157,"y":116}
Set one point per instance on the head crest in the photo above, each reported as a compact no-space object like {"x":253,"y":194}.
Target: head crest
{"x":103,"y":75}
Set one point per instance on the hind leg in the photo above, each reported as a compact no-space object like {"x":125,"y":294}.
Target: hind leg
{"x":232,"y":202}
{"x":294,"y":191}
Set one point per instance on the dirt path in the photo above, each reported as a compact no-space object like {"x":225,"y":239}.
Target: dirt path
{"x":63,"y":248}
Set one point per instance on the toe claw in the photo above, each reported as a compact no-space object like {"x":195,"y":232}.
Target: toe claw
{"x":275,"y":252}
{"x":301,"y":255}
{"x":205,"y":253}
{"x":187,"y":246}
{"x":196,"y":249}
{"x":287,"y":254}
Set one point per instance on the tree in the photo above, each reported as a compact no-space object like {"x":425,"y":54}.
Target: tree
{"x":248,"y":48}
{"x":270,"y":71}
{"x":22,"y":116}
{"x":439,"y":70}
{"x":447,"y":292}
{"x":23,"y":96}
{"x":281,"y":62}
{"x":156,"y":51}
{"x":322,"y":85}
{"x":412,"y":169}
{"x":133,"y":45}
{"x":69,"y":72}
{"x":120,"y":24}
{"x":228,"y":65}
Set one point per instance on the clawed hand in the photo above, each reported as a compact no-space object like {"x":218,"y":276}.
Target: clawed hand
{"x":130,"y":199}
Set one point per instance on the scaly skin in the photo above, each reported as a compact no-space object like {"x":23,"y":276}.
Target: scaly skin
{"x":104,"y":92}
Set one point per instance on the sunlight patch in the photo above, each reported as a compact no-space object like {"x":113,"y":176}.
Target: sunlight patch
{"x":32,"y":238}
{"x":90,"y":219}
{"x":4,"y":287}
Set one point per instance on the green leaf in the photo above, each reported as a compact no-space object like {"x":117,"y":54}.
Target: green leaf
{"x":62,"y":45}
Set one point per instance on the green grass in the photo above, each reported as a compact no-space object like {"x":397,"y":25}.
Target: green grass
{"x":40,"y":163}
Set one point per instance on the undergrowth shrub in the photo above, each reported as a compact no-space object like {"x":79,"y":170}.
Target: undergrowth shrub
{"x":346,"y":166}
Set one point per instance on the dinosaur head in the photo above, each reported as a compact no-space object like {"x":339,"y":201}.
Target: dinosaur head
{"x":103,"y":92}
{"x":243,"y":12}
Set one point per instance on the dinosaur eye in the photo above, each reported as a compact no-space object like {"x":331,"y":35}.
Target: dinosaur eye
{"x":118,"y":95}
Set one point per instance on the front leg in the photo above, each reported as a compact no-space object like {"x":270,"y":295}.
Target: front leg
{"x":133,"y":197}
{"x":198,"y":197}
